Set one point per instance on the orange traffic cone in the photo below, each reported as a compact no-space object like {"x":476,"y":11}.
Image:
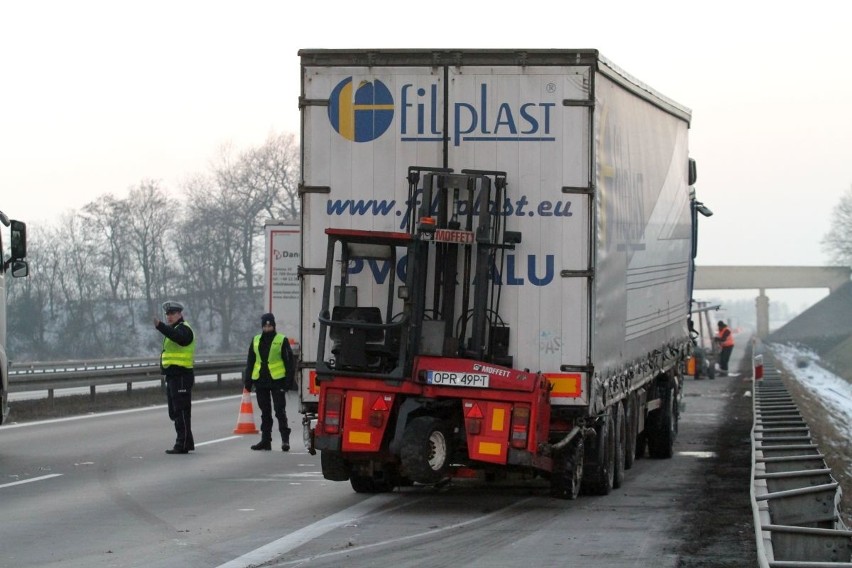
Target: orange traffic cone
{"x":245,"y":421}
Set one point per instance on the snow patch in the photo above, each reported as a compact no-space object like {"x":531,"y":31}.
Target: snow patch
{"x":834,"y":392}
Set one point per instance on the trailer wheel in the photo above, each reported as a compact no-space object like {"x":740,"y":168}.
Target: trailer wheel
{"x":425,"y":451}
{"x":662,"y":429}
{"x":641,"y":443}
{"x":567,"y":475}
{"x":600,"y":459}
{"x":631,"y":416}
{"x":620,"y":432}
{"x":334,"y":467}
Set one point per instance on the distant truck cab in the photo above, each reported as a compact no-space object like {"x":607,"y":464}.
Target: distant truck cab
{"x":13,"y":264}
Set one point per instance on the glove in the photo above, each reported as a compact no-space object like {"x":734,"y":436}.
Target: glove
{"x":247,"y":384}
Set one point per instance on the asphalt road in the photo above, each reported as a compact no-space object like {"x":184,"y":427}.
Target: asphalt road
{"x":100,"y":491}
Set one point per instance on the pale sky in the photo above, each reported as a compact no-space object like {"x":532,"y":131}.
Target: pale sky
{"x":97,"y":95}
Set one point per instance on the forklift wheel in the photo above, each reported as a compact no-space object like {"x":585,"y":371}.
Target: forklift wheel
{"x":334,"y":467}
{"x":425,"y":452}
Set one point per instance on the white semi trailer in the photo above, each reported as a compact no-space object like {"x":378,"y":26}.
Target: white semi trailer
{"x":496,"y":265}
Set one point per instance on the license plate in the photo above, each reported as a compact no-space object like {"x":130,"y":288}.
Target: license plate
{"x":455,"y":379}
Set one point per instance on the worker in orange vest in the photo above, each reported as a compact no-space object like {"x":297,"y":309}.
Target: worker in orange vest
{"x":725,"y":339}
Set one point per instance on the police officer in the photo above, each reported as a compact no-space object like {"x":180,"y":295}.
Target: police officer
{"x":269,"y":370}
{"x":176,"y":363}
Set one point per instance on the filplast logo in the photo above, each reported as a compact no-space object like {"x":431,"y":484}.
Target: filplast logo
{"x":362,"y":113}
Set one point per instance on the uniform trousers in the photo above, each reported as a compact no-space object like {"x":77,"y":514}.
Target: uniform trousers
{"x":267,"y":399}
{"x":179,"y":398}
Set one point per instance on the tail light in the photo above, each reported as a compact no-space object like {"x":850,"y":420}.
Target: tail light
{"x":520,"y":426}
{"x":333,"y":408}
{"x":379,"y":411}
{"x":473,"y":418}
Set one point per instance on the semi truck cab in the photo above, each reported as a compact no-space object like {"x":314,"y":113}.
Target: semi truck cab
{"x":12,"y":263}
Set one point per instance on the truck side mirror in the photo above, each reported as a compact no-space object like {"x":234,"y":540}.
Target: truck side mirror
{"x":18,"y":233}
{"x":693,"y":172}
{"x":20,"y":268}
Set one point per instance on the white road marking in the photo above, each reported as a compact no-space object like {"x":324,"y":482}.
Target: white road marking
{"x":347,"y":517}
{"x":43,"y":477}
{"x":297,"y":538}
{"x":208,"y":442}
{"x":394,"y":541}
{"x":698,"y":454}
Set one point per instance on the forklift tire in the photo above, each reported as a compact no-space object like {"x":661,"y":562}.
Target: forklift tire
{"x":600,"y":459}
{"x":425,"y":451}
{"x":377,"y":477}
{"x":368,"y":484}
{"x":567,"y":474}
{"x":334,"y":467}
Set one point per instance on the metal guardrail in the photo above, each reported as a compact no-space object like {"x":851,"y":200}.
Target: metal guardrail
{"x":25,"y":377}
{"x":795,"y":500}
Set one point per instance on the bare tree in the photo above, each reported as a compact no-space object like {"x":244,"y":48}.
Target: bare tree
{"x":33,"y":300}
{"x":838,"y":241}
{"x":262,"y":184}
{"x":81,"y":287}
{"x":149,"y":219}
{"x":281,"y":155}
{"x":44,"y":259}
{"x":106,"y":219}
{"x":124,"y":251}
{"x":209,"y":248}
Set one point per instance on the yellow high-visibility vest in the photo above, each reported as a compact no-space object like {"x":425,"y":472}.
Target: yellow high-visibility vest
{"x":179,"y":355}
{"x":276,"y":363}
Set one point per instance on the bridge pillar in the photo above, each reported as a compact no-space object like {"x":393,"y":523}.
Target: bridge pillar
{"x":762,"y":304}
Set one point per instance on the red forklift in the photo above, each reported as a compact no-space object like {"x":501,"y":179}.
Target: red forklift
{"x":416,"y":383}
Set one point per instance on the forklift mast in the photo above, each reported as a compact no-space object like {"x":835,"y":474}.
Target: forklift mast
{"x":449,"y":303}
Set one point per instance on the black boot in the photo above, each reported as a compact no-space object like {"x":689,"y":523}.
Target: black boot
{"x":263,"y":445}
{"x":285,"y":439}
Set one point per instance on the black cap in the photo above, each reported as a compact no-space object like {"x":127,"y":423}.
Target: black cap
{"x":721,"y":323}
{"x":267,"y":319}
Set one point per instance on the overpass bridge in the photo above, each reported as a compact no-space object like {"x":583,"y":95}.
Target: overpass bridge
{"x":763,"y":278}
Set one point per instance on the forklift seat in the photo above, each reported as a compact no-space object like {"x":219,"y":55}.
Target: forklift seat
{"x":362,"y":315}
{"x":351,"y":345}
